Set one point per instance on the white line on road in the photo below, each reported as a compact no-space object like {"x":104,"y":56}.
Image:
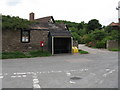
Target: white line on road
{"x":35,"y":81}
{"x":72,"y":82}
{"x":68,"y":74}
{"x":1,"y":77}
{"x":24,"y":75}
{"x":36,"y":86}
{"x":110,"y":72}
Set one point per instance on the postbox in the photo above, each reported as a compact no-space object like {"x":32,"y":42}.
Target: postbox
{"x":41,"y":43}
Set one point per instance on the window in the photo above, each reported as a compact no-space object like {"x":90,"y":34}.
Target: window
{"x":25,"y":36}
{"x":51,"y":20}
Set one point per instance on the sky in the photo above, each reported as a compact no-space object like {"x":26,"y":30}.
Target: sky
{"x":70,"y":10}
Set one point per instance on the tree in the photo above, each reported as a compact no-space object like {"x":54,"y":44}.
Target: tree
{"x":98,"y":35}
{"x":13,"y":23}
{"x":93,"y":24}
{"x":80,"y":26}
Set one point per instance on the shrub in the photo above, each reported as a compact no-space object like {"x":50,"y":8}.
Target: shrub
{"x":91,"y":44}
{"x":100,"y":44}
{"x":86,"y":38}
{"x":98,"y":35}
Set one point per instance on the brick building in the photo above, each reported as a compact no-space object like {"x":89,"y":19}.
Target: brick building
{"x":56,"y":37}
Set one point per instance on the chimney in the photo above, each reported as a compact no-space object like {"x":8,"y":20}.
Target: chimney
{"x":31,"y":16}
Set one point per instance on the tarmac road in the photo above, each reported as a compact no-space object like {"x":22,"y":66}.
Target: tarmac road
{"x":99,"y":69}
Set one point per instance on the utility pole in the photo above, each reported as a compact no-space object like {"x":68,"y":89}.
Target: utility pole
{"x":118,"y":8}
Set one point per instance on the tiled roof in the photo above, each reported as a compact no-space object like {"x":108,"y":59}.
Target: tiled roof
{"x":55,"y":29}
{"x":45,"y":19}
{"x":60,"y":33}
{"x":114,"y":24}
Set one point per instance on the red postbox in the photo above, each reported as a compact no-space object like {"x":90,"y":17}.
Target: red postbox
{"x":41,"y":43}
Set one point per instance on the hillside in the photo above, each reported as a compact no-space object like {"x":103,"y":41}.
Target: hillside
{"x":14,"y":23}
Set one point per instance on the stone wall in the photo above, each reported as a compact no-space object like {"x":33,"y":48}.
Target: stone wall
{"x":112,"y":44}
{"x":11,"y":41}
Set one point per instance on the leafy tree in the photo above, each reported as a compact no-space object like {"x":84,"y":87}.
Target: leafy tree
{"x":75,"y":36}
{"x":115,"y":34}
{"x":93,"y":24}
{"x":98,"y":35}
{"x":80,"y":26}
{"x":13,"y":23}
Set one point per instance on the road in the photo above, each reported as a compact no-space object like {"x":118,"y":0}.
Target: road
{"x":99,"y":69}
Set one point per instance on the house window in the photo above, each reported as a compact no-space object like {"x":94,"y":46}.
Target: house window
{"x":25,"y":36}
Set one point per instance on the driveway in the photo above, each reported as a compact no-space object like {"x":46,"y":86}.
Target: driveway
{"x":99,"y":69}
{"x":92,"y":50}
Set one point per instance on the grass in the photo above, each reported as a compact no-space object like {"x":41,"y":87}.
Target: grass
{"x":11,"y":55}
{"x":114,"y":49}
{"x":0,"y":55}
{"x":7,"y":55}
{"x":39,"y":53}
{"x":83,"y":52}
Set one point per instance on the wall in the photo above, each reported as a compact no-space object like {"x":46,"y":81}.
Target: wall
{"x":11,"y":40}
{"x":75,"y":43}
{"x":112,"y":44}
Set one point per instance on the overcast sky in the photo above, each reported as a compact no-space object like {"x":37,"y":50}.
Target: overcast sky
{"x":70,"y":10}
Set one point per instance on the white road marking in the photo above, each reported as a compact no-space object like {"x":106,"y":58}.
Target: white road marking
{"x":36,"y":86}
{"x":24,"y":75}
{"x":1,"y":77}
{"x":14,"y":73}
{"x":35,"y":81}
{"x":110,"y":72}
{"x":20,"y":73}
{"x":68,"y":74}
{"x":107,"y":70}
{"x":58,"y":71}
{"x":72,"y":82}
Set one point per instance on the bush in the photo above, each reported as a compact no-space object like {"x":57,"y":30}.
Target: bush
{"x":86,"y":38}
{"x":91,"y":44}
{"x":100,"y":44}
{"x":98,"y":35}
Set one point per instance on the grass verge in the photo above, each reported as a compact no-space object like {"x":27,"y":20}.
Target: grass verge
{"x":11,"y":55}
{"x":83,"y":52}
{"x":7,"y":55}
{"x":39,"y":53}
{"x":114,"y":49}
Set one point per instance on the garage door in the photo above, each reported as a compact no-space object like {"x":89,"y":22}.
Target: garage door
{"x":62,"y":45}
